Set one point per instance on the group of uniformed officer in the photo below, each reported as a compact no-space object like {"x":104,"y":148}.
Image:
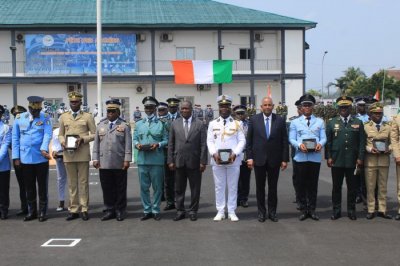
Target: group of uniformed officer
{"x":354,"y":145}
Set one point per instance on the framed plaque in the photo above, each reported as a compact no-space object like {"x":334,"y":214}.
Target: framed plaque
{"x":145,"y":147}
{"x":224,"y":154}
{"x":380,"y":145}
{"x":310,"y":144}
{"x":70,"y":142}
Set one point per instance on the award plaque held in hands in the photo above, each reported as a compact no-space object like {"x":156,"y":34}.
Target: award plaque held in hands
{"x":224,"y":155}
{"x":70,"y":142}
{"x":145,"y":147}
{"x":310,"y":144}
{"x":380,"y":145}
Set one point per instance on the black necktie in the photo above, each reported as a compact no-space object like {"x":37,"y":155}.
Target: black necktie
{"x":345,"y":122}
{"x":378,"y":127}
{"x":186,"y":128}
{"x":308,"y":121}
{"x":74,"y":115}
{"x":111,"y":125}
{"x":224,"y":122}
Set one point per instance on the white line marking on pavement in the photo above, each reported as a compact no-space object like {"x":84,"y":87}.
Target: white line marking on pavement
{"x":71,"y":242}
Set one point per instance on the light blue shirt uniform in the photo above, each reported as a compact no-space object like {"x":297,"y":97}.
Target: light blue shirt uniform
{"x":30,"y":136}
{"x":299,"y":131}
{"x":364,"y":118}
{"x":5,"y":144}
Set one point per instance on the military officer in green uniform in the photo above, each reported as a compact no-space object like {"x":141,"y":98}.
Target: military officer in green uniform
{"x":344,"y":152}
{"x":150,"y":137}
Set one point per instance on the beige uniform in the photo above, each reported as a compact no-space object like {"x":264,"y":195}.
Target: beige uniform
{"x":395,"y":140}
{"x":77,"y":161}
{"x":376,"y":165}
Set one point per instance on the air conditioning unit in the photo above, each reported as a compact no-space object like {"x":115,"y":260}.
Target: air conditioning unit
{"x":258,"y":37}
{"x":140,"y":37}
{"x":166,"y":37}
{"x":20,"y":38}
{"x":73,"y":87}
{"x":203,"y":87}
{"x":140,"y":90}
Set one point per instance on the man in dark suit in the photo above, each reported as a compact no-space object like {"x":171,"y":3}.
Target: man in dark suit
{"x":187,"y":155}
{"x":267,"y":151}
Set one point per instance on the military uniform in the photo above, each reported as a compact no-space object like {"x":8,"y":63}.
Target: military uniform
{"x":377,"y":164}
{"x":345,"y":145}
{"x":173,"y":104}
{"x":112,"y":147}
{"x":18,"y":109}
{"x":5,"y":167}
{"x":150,"y":163}
{"x":31,"y":137}
{"x":137,"y":115}
{"x":77,"y":161}
{"x":395,"y":140}
{"x":226,"y":133}
{"x":209,"y":114}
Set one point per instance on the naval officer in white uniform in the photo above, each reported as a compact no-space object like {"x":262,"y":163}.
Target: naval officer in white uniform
{"x":225,"y":133}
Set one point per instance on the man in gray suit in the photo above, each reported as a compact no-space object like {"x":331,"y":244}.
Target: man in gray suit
{"x":187,"y":155}
{"x":112,"y":152}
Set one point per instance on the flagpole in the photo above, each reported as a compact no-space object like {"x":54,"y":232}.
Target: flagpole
{"x":99,"y":60}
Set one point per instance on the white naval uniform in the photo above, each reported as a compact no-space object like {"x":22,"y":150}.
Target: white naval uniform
{"x":230,"y":136}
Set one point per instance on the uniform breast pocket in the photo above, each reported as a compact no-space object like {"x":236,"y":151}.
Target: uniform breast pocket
{"x":81,"y":125}
{"x":120,"y":135}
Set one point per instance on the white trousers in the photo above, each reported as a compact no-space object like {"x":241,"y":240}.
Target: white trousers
{"x":226,"y":176}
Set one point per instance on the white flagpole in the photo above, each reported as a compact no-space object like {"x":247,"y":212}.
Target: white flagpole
{"x":99,"y":62}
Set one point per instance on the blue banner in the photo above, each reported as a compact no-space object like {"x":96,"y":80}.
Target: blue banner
{"x":75,"y":54}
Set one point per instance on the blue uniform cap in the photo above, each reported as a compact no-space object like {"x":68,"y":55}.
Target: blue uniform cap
{"x":162,"y":105}
{"x":307,"y":98}
{"x":239,"y":108}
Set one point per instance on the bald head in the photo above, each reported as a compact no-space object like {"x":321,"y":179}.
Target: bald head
{"x":267,"y":105}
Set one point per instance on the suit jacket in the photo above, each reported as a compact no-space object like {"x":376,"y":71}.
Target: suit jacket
{"x":372,"y":133}
{"x":273,"y":150}
{"x":112,"y":146}
{"x":84,"y":126}
{"x":190,"y":152}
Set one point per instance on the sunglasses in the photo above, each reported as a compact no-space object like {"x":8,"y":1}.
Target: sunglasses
{"x":240,"y":113}
{"x":307,"y":104}
{"x":111,"y":110}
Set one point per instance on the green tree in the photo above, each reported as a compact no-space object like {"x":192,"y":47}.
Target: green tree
{"x":314,"y":92}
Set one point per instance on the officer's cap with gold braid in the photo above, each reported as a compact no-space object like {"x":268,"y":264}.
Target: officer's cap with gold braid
{"x":149,"y":101}
{"x":172,"y":102}
{"x":75,"y":96}
{"x":239,"y":108}
{"x":344,"y":101}
{"x":376,"y":108}
{"x":224,"y":99}
{"x":35,"y":102}
{"x":113,"y":104}
{"x":17,"y":110}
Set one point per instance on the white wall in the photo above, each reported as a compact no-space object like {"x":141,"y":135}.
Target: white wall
{"x":294,"y":51}
{"x":293,"y":92}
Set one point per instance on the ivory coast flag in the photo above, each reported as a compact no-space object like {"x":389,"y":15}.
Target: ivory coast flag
{"x":202,"y":71}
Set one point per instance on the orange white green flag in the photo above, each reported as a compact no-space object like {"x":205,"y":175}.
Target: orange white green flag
{"x":202,"y":71}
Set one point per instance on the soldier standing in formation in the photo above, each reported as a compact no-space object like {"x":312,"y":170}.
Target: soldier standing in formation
{"x":31,"y":136}
{"x":209,"y":114}
{"x":18,"y":109}
{"x":173,"y":104}
{"x":112,"y":153}
{"x":226,"y":135}
{"x":150,"y":137}
{"x":137,"y":115}
{"x":5,"y":166}
{"x":344,"y":149}
{"x":377,"y":160}
{"x":79,"y":125}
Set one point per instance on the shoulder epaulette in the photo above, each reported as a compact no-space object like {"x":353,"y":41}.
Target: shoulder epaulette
{"x":103,"y":119}
{"x":123,"y":120}
{"x":387,"y":123}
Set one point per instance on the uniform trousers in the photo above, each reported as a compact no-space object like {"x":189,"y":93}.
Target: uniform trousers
{"x":61,"y":178}
{"x":114,"y":184}
{"x":374,"y":175}
{"x":271,"y":174}
{"x":36,"y":173}
{"x":78,"y":186}
{"x":338,"y":174}
{"x":169,"y":185}
{"x":181,"y":176}
{"x":398,"y":185}
{"x":4,"y":190}
{"x":151,"y":175}
{"x":295,"y":180}
{"x":308,"y":184}
{"x":21,"y":185}
{"x":226,"y":178}
{"x":244,"y":182}
{"x":361,"y":186}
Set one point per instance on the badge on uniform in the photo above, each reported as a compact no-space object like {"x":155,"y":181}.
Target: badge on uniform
{"x":120,"y":128}
{"x":39,"y":123}
{"x":336,"y":129}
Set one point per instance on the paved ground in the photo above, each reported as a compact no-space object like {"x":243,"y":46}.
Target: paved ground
{"x":204,"y":242}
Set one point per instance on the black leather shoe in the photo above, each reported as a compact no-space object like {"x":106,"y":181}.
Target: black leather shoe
{"x":261,"y":217}
{"x":397,"y":218}
{"x":314,"y":216}
{"x":384,"y":215}
{"x":273,"y":217}
{"x":352,"y":215}
{"x":244,"y":203}
{"x":4,"y":214}
{"x":370,"y":215}
{"x":109,"y":215}
{"x":30,"y":217}
{"x":303,"y":216}
{"x":146,"y":216}
{"x":72,"y":216}
{"x":42,"y":217}
{"x":120,"y":216}
{"x":193,"y":217}
{"x":359,"y":199}
{"x":22,"y":212}
{"x":169,"y":207}
{"x":336,"y":215}
{"x":179,"y":216}
{"x":157,"y":216}
{"x":85,"y":216}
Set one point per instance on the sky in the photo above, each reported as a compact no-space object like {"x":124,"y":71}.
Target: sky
{"x":356,"y":33}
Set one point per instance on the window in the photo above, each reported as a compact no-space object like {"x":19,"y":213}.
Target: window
{"x":245,"y":53}
{"x":185,"y":53}
{"x":124,"y":107}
